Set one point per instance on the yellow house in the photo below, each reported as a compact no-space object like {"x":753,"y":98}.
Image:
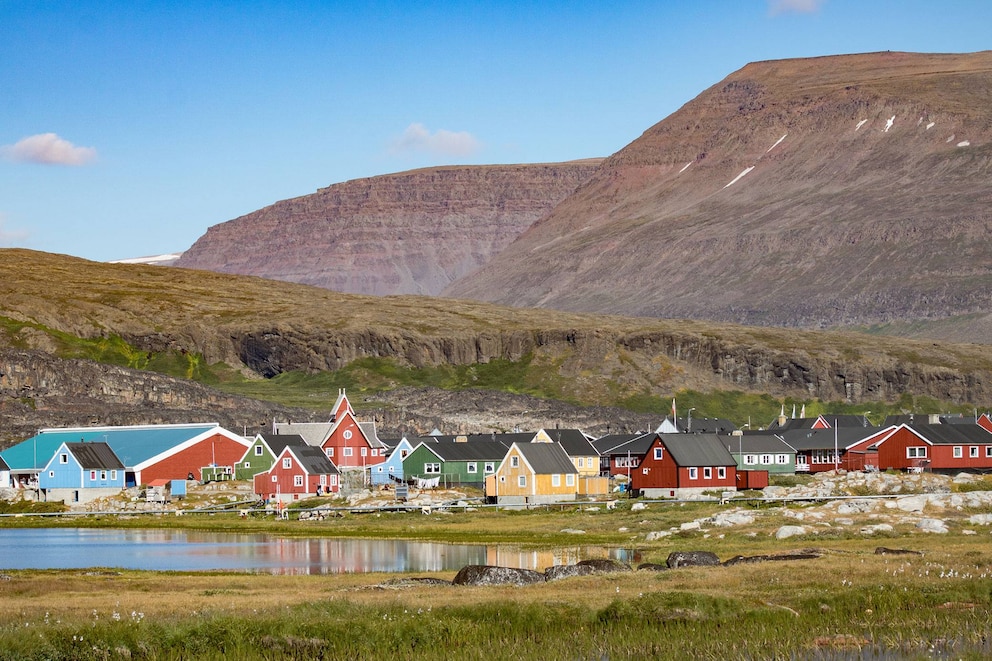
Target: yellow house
{"x":583,"y":456}
{"x":533,"y":473}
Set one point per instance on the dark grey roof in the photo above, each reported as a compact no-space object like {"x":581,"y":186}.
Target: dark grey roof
{"x":823,"y":439}
{"x":313,"y":460}
{"x":953,"y":434}
{"x":573,"y":441}
{"x":468,"y":450}
{"x":793,"y":423}
{"x":505,"y":439}
{"x":278,"y":442}
{"x":635,"y":444}
{"x":959,"y":419}
{"x":546,"y":458}
{"x":705,"y":425}
{"x":604,"y":444}
{"x":3,"y":465}
{"x":698,"y":449}
{"x":759,"y":443}
{"x":845,"y":420}
{"x":95,"y":456}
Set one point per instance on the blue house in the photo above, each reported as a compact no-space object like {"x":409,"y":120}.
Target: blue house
{"x":391,"y":470}
{"x":81,"y":472}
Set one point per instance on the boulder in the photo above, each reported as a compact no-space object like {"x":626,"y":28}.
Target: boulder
{"x":656,"y":535}
{"x":932,"y":525}
{"x":881,"y":550}
{"x":723,"y":519}
{"x":790,"y":531}
{"x":912,"y":503}
{"x":604,"y":565}
{"x":492,"y":575}
{"x":980,"y":519}
{"x":744,"y":560}
{"x":559,"y":572}
{"x":637,"y":507}
{"x":678,"y":559}
{"x":876,"y":527}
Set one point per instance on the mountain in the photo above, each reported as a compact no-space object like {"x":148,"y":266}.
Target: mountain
{"x":409,"y":233}
{"x":843,"y":190}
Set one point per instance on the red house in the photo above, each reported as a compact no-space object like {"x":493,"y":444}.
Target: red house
{"x":299,"y":471}
{"x":985,"y":422}
{"x":681,"y":465}
{"x":938,"y":448}
{"x":345,"y":441}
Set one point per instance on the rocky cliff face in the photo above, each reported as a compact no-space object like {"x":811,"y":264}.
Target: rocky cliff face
{"x":814,"y":193}
{"x":408,"y":233}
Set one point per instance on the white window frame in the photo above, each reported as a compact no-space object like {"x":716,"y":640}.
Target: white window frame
{"x":365,"y":451}
{"x":693,"y":473}
{"x":432,"y":468}
{"x":707,"y":473}
{"x":766,"y":459}
{"x":916,"y":452}
{"x":103,"y":475}
{"x":63,"y":458}
{"x":347,"y":434}
{"x":556,"y":479}
{"x":521,"y":481}
{"x":721,"y":473}
{"x":258,"y":450}
{"x":514,"y":461}
{"x":113,"y":475}
{"x":330,"y":452}
{"x":958,"y":452}
{"x":472,"y":467}
{"x":569,"y":480}
{"x":323,"y":480}
{"x":297,"y":480}
{"x":973,"y":451}
{"x":287,"y":462}
{"x":750,"y":459}
{"x":659,"y":454}
{"x":347,"y":452}
{"x":490,"y":467}
{"x":988,"y":450}
{"x":781,"y":459}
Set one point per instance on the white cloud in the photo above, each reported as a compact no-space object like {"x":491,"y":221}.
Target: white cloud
{"x":48,"y":149}
{"x":776,"y":7}
{"x":417,"y":138}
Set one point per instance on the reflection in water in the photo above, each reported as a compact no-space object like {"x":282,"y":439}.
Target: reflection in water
{"x":177,"y":550}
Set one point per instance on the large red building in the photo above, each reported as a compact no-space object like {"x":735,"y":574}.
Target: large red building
{"x":680,"y":465}
{"x":299,"y":471}
{"x":940,"y":448}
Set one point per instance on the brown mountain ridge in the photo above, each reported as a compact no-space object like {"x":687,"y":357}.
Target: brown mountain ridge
{"x":815,"y":192}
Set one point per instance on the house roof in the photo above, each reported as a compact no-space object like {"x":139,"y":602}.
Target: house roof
{"x":278,"y":442}
{"x":823,"y":439}
{"x":702,"y":425}
{"x":95,"y":456}
{"x":758,"y":443}
{"x":793,"y":423}
{"x":312,"y":459}
{"x":371,"y":435}
{"x":546,"y":458}
{"x":467,"y":450}
{"x":605,"y":444}
{"x":314,"y":433}
{"x":3,"y":465}
{"x":573,"y":441}
{"x":953,"y":434}
{"x":698,"y":449}
{"x":132,"y":444}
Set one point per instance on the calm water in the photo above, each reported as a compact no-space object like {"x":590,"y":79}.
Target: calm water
{"x":165,"y":550}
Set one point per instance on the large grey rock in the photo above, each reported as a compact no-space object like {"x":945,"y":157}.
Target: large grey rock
{"x":604,"y":565}
{"x":980,"y":519}
{"x":492,"y":575}
{"x":723,"y":519}
{"x":678,"y":559}
{"x":559,"y":572}
{"x":932,"y":525}
{"x":790,"y":531}
{"x":912,"y":503}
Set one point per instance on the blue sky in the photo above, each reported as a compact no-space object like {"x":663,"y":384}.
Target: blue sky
{"x":128,"y":128}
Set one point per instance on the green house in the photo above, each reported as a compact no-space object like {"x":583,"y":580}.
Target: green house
{"x":262,"y":454}
{"x":762,"y":451}
{"x":453,"y":462}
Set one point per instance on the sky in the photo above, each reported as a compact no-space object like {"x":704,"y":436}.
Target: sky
{"x":128,"y":128}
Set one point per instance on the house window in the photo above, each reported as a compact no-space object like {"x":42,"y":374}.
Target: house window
{"x":824,"y":457}
{"x":432,"y":468}
{"x":365,"y":452}
{"x":556,"y":480}
{"x":473,"y":467}
{"x":330,"y":452}
{"x":347,"y":434}
{"x":51,"y":473}
{"x":113,"y":475}
{"x":522,"y":481}
{"x":93,"y":475}
{"x":514,"y":461}
{"x":63,"y":458}
{"x":988,"y":450}
{"x":626,"y":462}
{"x":707,"y":473}
{"x":334,"y":480}
{"x":916,"y":452}
{"x":275,"y":479}
{"x":973,"y":451}
{"x":781,"y":459}
{"x":297,"y":480}
{"x":347,"y":452}
{"x":404,"y":453}
{"x":491,"y":466}
{"x":323,"y":480}
{"x":750,"y":459}
{"x":287,"y":462}
{"x":658,"y":453}
{"x":103,"y":475}
{"x":258,"y":450}
{"x":645,"y":470}
{"x":958,"y":452}
{"x":721,"y":473}
{"x":766,"y":459}
{"x":569,"y":480}
{"x":392,"y":469}
{"x":693,"y":473}
{"x":247,"y":464}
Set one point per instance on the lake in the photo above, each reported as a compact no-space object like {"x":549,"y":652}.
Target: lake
{"x":178,"y":550}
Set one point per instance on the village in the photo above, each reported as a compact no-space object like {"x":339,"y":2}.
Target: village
{"x":684,"y":458}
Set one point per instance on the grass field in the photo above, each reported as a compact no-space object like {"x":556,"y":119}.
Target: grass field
{"x":848,"y":603}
